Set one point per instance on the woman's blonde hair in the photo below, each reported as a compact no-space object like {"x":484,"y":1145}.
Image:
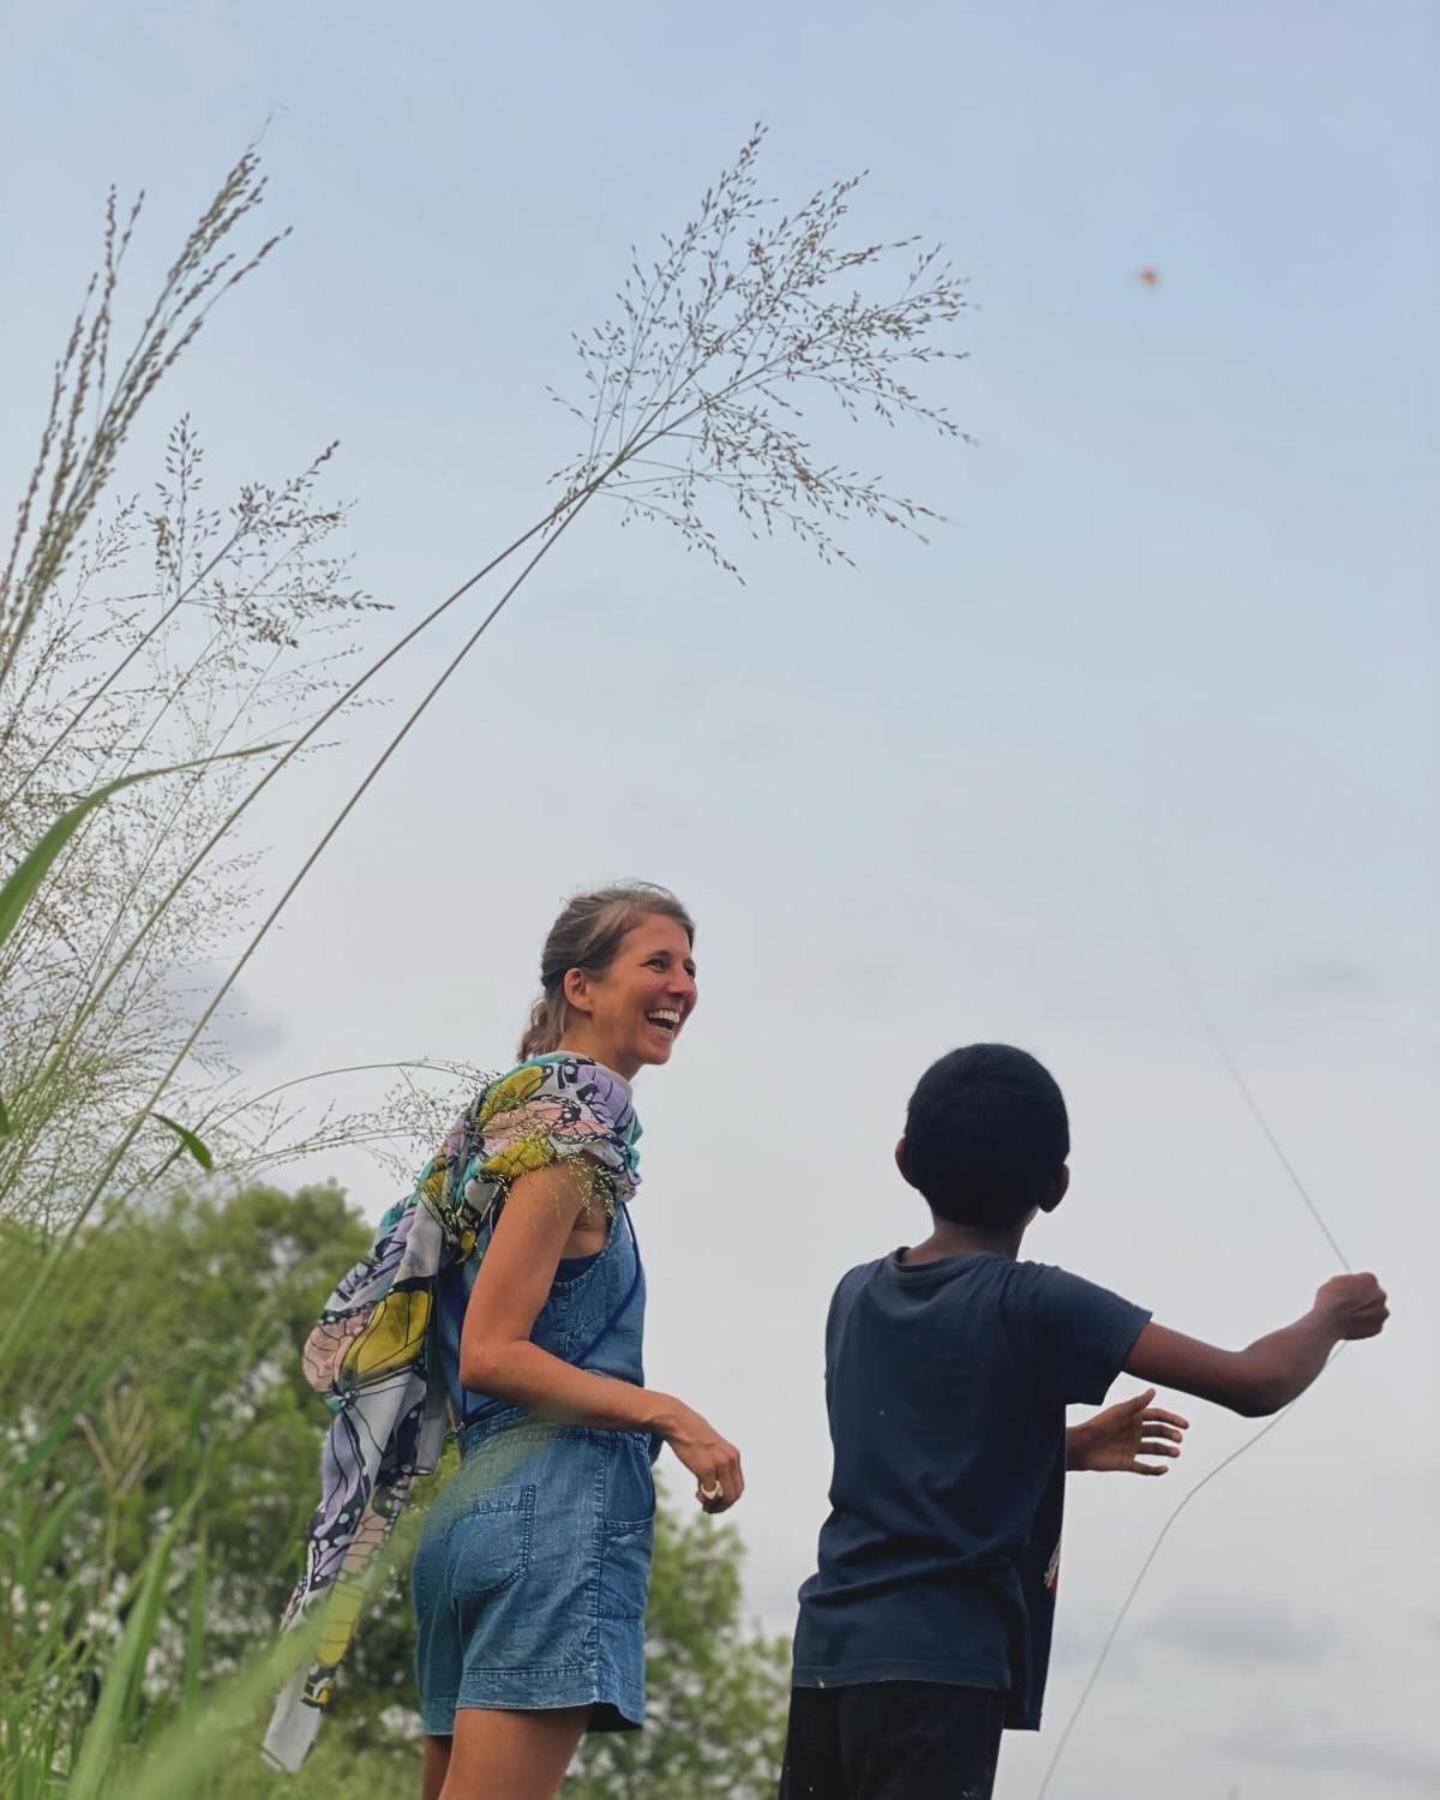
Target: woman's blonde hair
{"x":587,"y":935}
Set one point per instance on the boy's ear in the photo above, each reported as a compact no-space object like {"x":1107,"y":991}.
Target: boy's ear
{"x":902,"y":1162}
{"x":1057,"y":1192}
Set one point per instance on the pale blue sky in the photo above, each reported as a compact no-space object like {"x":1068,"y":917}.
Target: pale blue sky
{"x":1178,"y":639}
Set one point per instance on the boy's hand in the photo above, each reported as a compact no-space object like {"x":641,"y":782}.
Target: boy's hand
{"x":1354,"y":1306}
{"x":1117,"y":1438}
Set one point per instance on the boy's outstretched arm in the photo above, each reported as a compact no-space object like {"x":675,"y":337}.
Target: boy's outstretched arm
{"x":1272,"y":1371}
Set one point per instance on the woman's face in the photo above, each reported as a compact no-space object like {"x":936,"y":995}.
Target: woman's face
{"x":632,"y":1014}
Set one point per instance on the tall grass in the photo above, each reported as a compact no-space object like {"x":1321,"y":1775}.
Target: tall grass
{"x":131,"y":720}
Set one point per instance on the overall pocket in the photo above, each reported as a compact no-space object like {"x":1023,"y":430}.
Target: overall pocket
{"x":625,"y":1553}
{"x":627,"y":1529}
{"x":488,"y":1545}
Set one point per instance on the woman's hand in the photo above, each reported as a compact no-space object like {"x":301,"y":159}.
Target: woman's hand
{"x":714,"y":1462}
{"x":1117,"y":1438}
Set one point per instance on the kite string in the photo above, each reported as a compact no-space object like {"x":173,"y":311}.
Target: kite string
{"x":1144,"y":1570}
{"x":1243,"y":1086}
{"x":1186,"y":979}
{"x":1233,"y":1069}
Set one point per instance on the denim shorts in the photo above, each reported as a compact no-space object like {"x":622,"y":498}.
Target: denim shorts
{"x":531,"y":1576}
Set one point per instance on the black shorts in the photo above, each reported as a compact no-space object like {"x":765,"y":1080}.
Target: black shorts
{"x":892,"y":1740}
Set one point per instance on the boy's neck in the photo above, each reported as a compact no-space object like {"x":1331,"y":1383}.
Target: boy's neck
{"x":950,"y":1239}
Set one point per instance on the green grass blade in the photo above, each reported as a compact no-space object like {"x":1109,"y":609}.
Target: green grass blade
{"x":189,"y":1461}
{"x":119,"y":1689}
{"x":197,"y":1148}
{"x":25,"y":882}
{"x":225,"y":1724}
{"x":227,"y":1721}
{"x":4,"y":1121}
{"x":149,"y":1605}
{"x":195,"y":1626}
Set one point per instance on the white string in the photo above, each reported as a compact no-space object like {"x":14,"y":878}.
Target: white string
{"x":1145,"y":1568}
{"x":1243,"y":1086}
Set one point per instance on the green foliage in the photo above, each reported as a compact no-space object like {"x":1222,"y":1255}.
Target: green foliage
{"x":24,"y":883}
{"x":164,"y":1359}
{"x":339,"y":1768}
{"x":159,"y":1447}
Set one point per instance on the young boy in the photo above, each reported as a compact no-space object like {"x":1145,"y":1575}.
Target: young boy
{"x":926,"y":1630}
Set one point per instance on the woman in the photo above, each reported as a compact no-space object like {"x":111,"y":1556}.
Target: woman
{"x":531,"y":1575}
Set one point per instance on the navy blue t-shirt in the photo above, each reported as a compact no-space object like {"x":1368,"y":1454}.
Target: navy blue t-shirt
{"x":946,"y":1384}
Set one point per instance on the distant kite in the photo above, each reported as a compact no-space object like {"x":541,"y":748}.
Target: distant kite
{"x":1151,"y":277}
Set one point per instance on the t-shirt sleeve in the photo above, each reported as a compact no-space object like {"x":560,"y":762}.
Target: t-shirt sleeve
{"x":1080,"y":1333}
{"x":841,"y":1302}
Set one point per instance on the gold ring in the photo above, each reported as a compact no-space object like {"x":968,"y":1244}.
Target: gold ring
{"x":713,"y":1492}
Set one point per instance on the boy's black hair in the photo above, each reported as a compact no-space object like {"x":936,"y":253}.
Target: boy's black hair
{"x":986,"y":1134}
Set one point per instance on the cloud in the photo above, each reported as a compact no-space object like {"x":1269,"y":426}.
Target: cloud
{"x":243,"y":1034}
{"x":1238,"y":1630}
{"x":1080,"y":1634}
{"x":233,"y":1029}
{"x":1411,"y":1766}
{"x":1335,"y":978}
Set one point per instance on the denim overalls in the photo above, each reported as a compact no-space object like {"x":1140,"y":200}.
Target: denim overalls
{"x":531,"y":1575}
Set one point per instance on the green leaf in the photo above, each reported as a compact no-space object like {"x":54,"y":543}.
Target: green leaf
{"x":25,"y":882}
{"x":91,"y":1777}
{"x":188,"y":1138}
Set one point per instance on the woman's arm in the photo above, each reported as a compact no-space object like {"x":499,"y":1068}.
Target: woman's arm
{"x":498,"y":1358}
{"x":1275,"y":1369}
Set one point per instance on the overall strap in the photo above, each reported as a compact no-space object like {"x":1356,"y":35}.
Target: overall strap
{"x":624,"y":1305}
{"x":452,"y":1295}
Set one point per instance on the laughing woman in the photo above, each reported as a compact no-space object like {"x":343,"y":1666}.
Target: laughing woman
{"x":531,"y":1575}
